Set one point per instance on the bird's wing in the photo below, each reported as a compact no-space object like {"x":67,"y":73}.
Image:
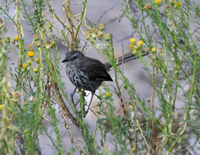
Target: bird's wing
{"x":94,"y":69}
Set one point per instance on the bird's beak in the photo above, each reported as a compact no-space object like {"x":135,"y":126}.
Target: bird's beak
{"x":65,"y":60}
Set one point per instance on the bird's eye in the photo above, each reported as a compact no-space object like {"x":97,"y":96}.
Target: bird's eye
{"x":73,"y":58}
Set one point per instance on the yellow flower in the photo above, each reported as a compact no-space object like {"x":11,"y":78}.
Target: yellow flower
{"x":30,"y":47}
{"x":30,"y":54}
{"x":101,"y":26}
{"x":177,"y":4}
{"x":94,"y":30}
{"x":107,"y":94}
{"x":158,"y":1}
{"x":87,"y":34}
{"x":132,"y":40}
{"x":147,"y":6}
{"x":91,"y":40}
{"x":29,"y":62}
{"x":25,"y":66}
{"x":16,"y":38}
{"x":5,"y":39}
{"x":93,"y":35}
{"x":37,"y":60}
{"x":171,"y":2}
{"x":131,"y":46}
{"x":99,"y":35}
{"x":35,"y":70}
{"x":153,"y":50}
{"x":140,"y":43}
{"x":134,"y":51}
{"x":25,"y":103}
{"x":1,"y":107}
{"x":37,"y":43}
{"x":107,"y":37}
{"x":36,"y":37}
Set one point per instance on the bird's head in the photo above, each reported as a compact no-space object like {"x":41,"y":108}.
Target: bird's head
{"x":73,"y":57}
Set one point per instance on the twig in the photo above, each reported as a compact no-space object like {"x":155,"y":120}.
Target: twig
{"x":63,"y":106}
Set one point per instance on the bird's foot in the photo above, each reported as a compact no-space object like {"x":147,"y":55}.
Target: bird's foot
{"x":72,"y":95}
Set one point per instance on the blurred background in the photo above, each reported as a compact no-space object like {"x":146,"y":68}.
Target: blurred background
{"x":111,"y":14}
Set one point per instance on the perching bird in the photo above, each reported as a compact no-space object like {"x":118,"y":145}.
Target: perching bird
{"x":88,"y":73}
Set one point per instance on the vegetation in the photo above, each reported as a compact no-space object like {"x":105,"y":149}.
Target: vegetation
{"x":168,"y":31}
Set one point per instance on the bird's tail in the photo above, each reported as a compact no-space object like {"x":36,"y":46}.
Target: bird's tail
{"x":123,"y":59}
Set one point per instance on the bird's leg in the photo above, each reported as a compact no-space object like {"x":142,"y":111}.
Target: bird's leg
{"x":92,"y":93}
{"x":72,"y":95}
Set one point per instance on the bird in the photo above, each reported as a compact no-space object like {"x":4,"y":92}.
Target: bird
{"x":89,"y":73}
